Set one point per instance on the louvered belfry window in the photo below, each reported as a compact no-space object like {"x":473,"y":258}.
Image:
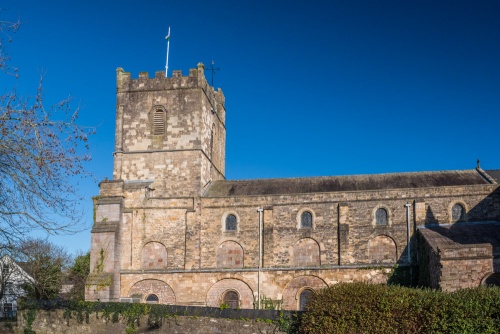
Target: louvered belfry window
{"x":159,"y":122}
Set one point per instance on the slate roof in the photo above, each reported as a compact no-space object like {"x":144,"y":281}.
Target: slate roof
{"x":495,"y":174}
{"x":463,"y":234}
{"x":225,"y":188}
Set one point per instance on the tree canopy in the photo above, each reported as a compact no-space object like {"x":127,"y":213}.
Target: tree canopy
{"x":46,"y":263}
{"x":77,"y":275}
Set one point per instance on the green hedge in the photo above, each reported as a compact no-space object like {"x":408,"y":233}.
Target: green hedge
{"x":365,"y":308}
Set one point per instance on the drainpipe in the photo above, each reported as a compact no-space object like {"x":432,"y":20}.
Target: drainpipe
{"x":259,"y":210}
{"x":408,"y":206}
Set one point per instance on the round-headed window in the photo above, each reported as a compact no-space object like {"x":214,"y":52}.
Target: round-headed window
{"x":152,"y":299}
{"x":304,"y":298}
{"x":457,"y":212}
{"x":231,"y":299}
{"x":231,"y":223}
{"x":381,"y":216}
{"x":306,"y":220}
{"x":492,"y":280}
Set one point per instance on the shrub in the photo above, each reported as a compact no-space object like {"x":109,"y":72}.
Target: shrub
{"x":366,"y":308}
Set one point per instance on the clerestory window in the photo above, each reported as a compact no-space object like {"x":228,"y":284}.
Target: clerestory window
{"x":381,"y":216}
{"x":306,"y":219}
{"x":231,"y":223}
{"x":457,"y":212}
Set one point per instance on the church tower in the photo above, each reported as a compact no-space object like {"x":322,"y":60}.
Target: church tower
{"x":170,"y":131}
{"x":169,"y":147}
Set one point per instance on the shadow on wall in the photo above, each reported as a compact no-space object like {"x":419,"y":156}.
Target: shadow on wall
{"x":455,"y":241}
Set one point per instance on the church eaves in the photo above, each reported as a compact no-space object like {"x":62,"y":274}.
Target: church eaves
{"x":284,"y":186}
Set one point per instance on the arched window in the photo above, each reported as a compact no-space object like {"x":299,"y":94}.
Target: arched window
{"x":304,"y":298}
{"x":231,"y":223}
{"x":457,"y":212}
{"x":152,"y":299}
{"x":159,"y":122}
{"x":492,"y":280}
{"x":306,"y":220}
{"x":381,"y":216}
{"x":232,"y":299}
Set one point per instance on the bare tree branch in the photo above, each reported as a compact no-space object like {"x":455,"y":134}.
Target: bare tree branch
{"x":42,"y":150}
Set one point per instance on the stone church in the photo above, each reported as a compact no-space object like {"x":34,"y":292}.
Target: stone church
{"x":169,"y":228}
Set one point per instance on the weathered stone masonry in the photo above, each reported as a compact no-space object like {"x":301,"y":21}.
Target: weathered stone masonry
{"x":169,"y":227}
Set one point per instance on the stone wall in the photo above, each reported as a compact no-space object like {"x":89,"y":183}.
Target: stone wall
{"x":53,"y":322}
{"x":160,"y":230}
{"x":207,"y":288}
{"x":200,"y":253}
{"x":459,"y":256}
{"x":190,"y":141}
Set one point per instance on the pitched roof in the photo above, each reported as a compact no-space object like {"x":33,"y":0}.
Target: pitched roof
{"x":226,"y":188}
{"x":463,"y":234}
{"x":495,"y":174}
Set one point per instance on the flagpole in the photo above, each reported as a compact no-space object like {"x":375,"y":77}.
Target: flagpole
{"x":168,"y":47}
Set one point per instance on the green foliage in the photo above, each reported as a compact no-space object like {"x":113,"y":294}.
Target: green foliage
{"x":30,"y":317}
{"x":403,"y":276}
{"x":130,"y":314}
{"x":288,"y":324}
{"x":77,"y":274}
{"x":366,"y":308}
{"x":269,"y":304}
{"x":156,"y":316}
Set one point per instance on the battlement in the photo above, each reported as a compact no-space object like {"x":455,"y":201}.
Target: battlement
{"x":195,"y":79}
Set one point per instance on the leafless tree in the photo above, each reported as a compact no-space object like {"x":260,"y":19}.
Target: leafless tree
{"x":42,"y":149}
{"x":46,"y":263}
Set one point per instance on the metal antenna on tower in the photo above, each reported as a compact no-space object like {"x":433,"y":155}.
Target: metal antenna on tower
{"x":212,"y":69}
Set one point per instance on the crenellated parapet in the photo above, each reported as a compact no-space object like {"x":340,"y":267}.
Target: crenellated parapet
{"x":195,"y":79}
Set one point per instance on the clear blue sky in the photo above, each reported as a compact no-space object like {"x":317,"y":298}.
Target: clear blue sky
{"x":312,"y":88}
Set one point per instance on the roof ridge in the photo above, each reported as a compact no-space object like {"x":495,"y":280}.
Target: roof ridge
{"x":348,"y":175}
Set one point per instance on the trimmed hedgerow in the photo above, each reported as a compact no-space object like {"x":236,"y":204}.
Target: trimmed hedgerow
{"x":367,"y":308}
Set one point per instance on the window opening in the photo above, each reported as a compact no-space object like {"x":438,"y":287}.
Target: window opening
{"x":159,"y":122}
{"x":492,"y":280}
{"x":152,"y":299}
{"x":212,"y":142}
{"x":232,"y":299}
{"x":381,"y":216}
{"x":231,"y":223}
{"x":8,"y":311}
{"x":304,"y":298}
{"x":457,"y":212}
{"x":306,"y":219}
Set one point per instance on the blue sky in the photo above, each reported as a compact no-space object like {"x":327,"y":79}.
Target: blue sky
{"x":312,"y":88}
